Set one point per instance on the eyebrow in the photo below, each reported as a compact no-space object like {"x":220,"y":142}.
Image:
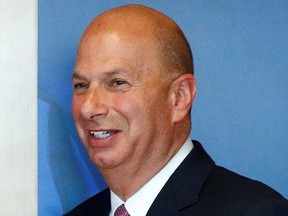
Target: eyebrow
{"x":76,"y":75}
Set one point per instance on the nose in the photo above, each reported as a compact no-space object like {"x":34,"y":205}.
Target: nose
{"x":94,"y":105}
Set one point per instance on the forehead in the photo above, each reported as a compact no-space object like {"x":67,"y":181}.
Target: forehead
{"x":104,"y":44}
{"x":108,"y":50}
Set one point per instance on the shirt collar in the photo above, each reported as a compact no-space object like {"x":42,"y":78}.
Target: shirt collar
{"x":140,"y":202}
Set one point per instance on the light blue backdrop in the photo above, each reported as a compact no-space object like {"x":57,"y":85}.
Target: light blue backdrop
{"x":241,"y":111}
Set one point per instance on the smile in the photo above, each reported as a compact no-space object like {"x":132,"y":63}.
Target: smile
{"x":102,"y":134}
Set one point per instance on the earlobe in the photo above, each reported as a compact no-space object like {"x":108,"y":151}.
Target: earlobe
{"x":184,"y":90}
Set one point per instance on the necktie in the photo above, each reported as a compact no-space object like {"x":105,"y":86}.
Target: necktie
{"x":121,"y":211}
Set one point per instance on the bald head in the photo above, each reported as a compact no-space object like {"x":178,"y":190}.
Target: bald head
{"x":133,"y":90}
{"x":140,"y":24}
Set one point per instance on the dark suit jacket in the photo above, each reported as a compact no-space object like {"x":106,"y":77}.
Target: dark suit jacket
{"x":200,"y":188}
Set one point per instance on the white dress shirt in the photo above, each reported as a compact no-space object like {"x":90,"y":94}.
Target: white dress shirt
{"x":140,"y":202}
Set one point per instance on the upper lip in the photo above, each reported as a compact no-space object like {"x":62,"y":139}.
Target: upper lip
{"x":100,"y":130}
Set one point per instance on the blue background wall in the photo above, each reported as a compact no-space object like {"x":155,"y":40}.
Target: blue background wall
{"x":241,"y":111}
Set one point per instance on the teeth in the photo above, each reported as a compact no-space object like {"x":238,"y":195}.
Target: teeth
{"x":102,"y":134}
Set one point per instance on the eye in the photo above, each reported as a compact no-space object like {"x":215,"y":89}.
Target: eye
{"x":79,"y":85}
{"x":118,"y":82}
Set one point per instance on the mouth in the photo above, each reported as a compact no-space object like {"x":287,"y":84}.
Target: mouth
{"x":103,"y":134}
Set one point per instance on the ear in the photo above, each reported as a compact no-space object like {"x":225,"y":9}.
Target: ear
{"x":183,"y":91}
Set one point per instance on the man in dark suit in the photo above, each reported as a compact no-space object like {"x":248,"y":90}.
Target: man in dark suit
{"x":134,"y":87}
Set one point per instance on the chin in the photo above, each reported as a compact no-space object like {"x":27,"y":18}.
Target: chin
{"x":103,"y":161}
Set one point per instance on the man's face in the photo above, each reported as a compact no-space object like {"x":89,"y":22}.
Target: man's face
{"x":121,"y":105}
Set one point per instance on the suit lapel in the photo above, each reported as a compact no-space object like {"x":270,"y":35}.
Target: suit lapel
{"x":101,"y":205}
{"x":183,"y":187}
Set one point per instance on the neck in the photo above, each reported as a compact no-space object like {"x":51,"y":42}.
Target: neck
{"x":127,"y":179}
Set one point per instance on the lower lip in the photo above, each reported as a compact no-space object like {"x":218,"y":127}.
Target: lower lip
{"x":106,"y":142}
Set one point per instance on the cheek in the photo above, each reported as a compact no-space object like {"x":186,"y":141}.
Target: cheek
{"x":133,"y":109}
{"x":140,"y":111}
{"x":125,"y":105}
{"x":76,"y":107}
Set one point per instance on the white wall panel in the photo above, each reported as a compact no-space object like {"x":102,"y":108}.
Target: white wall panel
{"x":18,"y":104}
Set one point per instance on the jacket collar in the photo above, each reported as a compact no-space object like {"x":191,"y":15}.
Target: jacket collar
{"x":183,"y":187}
